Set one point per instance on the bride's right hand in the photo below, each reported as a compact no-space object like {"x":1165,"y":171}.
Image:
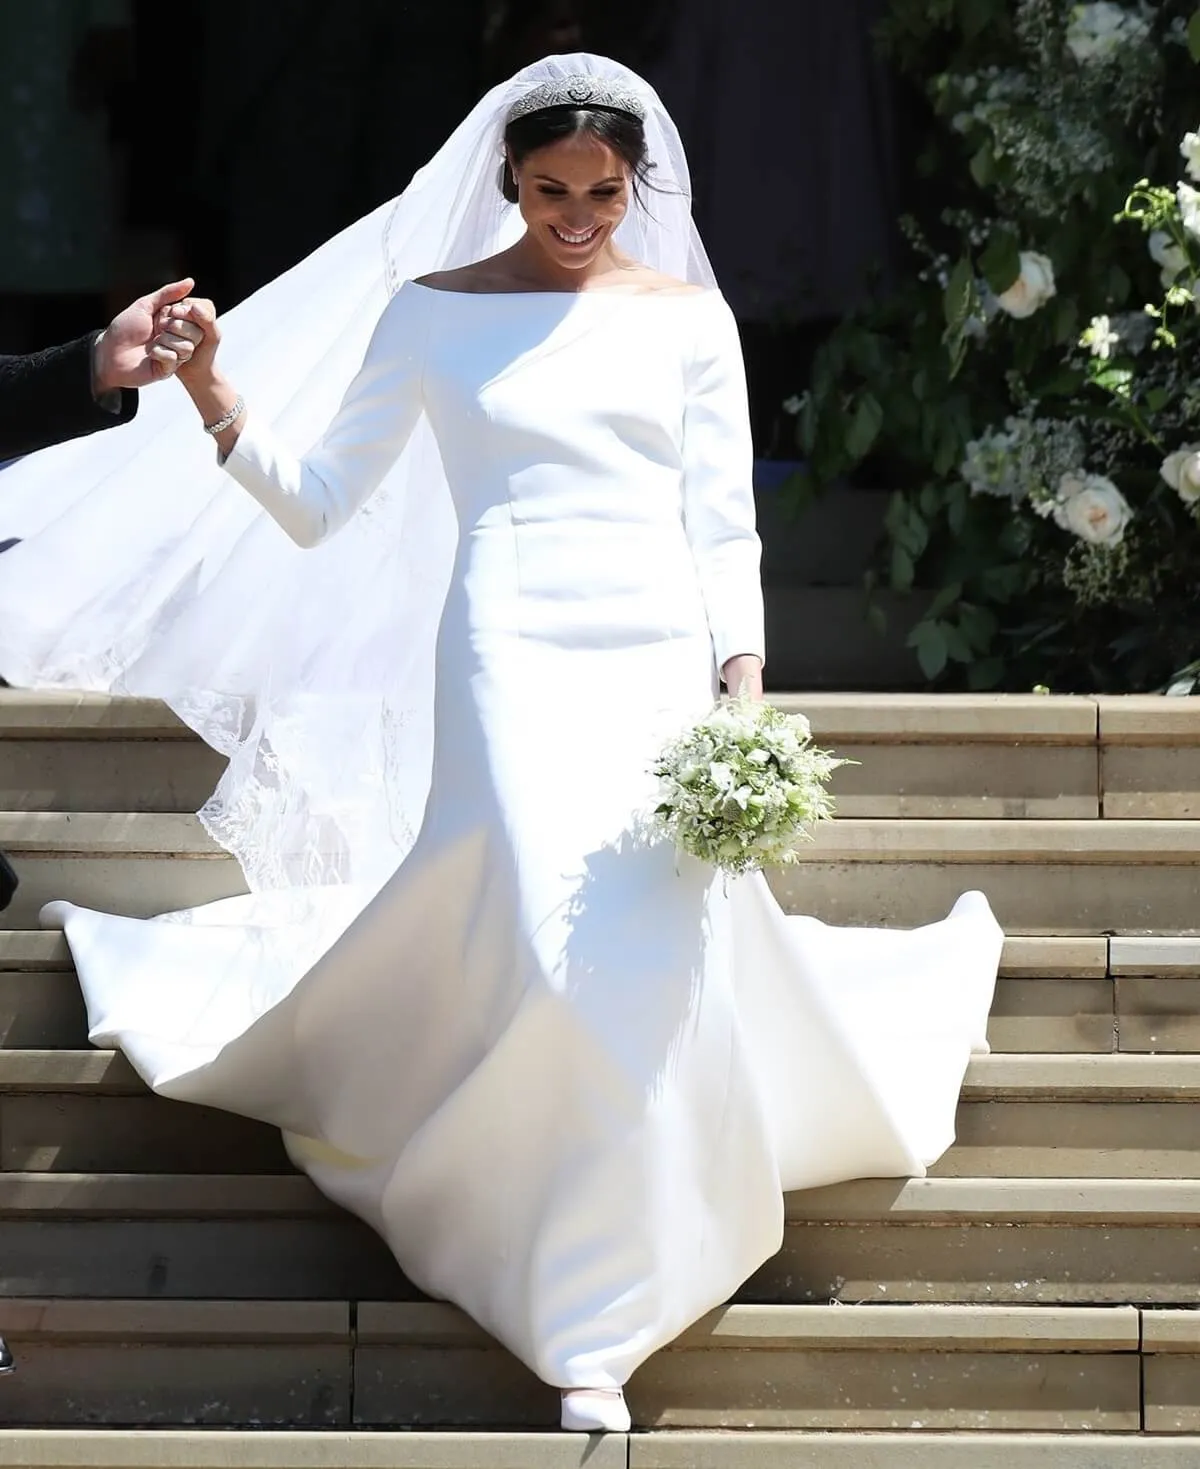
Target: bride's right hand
{"x":214,"y":397}
{"x":201,"y":368}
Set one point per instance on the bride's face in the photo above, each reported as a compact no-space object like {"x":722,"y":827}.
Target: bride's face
{"x":573,"y":195}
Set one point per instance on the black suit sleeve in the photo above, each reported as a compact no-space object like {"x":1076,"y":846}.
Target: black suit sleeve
{"x":46,"y":397}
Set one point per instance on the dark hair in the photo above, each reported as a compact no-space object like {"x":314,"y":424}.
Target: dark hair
{"x":620,"y":131}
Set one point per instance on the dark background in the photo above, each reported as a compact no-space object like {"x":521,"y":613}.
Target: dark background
{"x":225,"y":139}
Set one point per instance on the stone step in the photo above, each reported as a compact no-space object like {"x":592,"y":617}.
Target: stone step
{"x":959,"y":756}
{"x":1053,"y":877}
{"x":1150,"y":756}
{"x":983,"y":1240}
{"x":133,"y":863}
{"x":937,"y":756}
{"x":1082,"y":1078}
{"x":1020,"y":1116}
{"x":1034,"y":1240}
{"x":1054,"y":995}
{"x":139,"y":1363}
{"x":114,"y":1448}
{"x":108,"y":775}
{"x":94,"y":752}
{"x":913,"y":1450}
{"x":917,"y":757}
{"x":1157,"y":990}
{"x":425,"y":1365}
{"x":111,"y":1448}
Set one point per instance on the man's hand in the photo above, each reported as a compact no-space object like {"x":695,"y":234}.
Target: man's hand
{"x":742,"y":674}
{"x":133,"y":351}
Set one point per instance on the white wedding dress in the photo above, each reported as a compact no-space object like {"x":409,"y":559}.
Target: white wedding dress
{"x":564,"y":1073}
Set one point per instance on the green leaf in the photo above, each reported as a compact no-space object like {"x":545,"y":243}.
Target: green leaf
{"x":864,"y":426}
{"x":1001,"y":583}
{"x":959,"y":303}
{"x":1000,"y":263}
{"x":1157,"y":399}
{"x":985,"y":674}
{"x":912,"y":533}
{"x":1064,"y":383}
{"x":1115,"y":380}
{"x":959,"y":298}
{"x":1119,"y":286}
{"x":929,"y":500}
{"x":945,"y":599}
{"x":903,"y":569}
{"x":1193,"y":37}
{"x":929,"y":639}
{"x":877,"y":618}
{"x":983,"y":167}
{"x":896,"y":514}
{"x":979,"y":626}
{"x":957,"y":645}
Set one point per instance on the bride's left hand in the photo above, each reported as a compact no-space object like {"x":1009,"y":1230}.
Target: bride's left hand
{"x":743,"y":675}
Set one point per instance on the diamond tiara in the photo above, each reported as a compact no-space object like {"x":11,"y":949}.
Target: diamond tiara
{"x":578,"y":91}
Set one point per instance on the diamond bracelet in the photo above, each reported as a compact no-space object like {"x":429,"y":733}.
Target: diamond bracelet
{"x":227,"y":420}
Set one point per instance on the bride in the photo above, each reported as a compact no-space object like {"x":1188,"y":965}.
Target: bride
{"x":566,"y":1075}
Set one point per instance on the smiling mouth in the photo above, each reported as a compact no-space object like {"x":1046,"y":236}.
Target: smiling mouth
{"x":576,"y":240}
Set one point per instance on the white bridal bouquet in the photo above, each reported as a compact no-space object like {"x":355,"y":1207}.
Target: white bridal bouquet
{"x":742,"y":788}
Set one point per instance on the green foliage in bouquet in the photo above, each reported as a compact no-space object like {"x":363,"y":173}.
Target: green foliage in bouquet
{"x":1030,"y":387}
{"x":743,"y":788}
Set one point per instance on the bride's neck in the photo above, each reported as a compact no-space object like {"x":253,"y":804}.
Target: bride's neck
{"x":533,"y":266}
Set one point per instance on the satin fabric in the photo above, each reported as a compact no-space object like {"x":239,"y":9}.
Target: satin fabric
{"x":566,"y":1073}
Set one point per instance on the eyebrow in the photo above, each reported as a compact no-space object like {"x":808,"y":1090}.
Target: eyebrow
{"x":547,"y":178}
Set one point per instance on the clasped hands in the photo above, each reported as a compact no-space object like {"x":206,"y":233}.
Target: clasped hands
{"x":151,"y":340}
{"x":171,"y":332}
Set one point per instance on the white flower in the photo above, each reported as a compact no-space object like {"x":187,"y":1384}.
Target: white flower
{"x":1092,"y":508}
{"x":1190,"y":149}
{"x":1097,"y":30}
{"x":1189,"y":208}
{"x":743,"y":787}
{"x":1032,"y":288}
{"x":988,"y":468}
{"x":1181,"y":471}
{"x":1172,"y":257}
{"x":1100,"y":339}
{"x":721,"y":775}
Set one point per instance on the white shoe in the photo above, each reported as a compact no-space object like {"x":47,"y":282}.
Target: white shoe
{"x":595,"y":1410}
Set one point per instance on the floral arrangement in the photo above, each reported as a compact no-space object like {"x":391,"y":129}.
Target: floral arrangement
{"x":744,"y":787}
{"x":1030,"y":386}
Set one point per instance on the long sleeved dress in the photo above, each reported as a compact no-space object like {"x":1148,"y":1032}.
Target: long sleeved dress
{"x":565,"y":1074}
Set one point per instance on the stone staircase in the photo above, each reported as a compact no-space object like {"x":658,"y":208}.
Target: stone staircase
{"x":1033,"y":1305}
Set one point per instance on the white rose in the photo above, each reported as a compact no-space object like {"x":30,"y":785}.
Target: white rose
{"x":1190,"y":149}
{"x":1032,"y":288}
{"x":1181,"y":471}
{"x":1092,"y":508}
{"x":1189,"y":208}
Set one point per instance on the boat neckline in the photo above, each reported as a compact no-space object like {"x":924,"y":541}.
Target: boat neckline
{"x":572,"y":295}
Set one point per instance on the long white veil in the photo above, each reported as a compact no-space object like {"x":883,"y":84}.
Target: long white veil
{"x":144,"y":569}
